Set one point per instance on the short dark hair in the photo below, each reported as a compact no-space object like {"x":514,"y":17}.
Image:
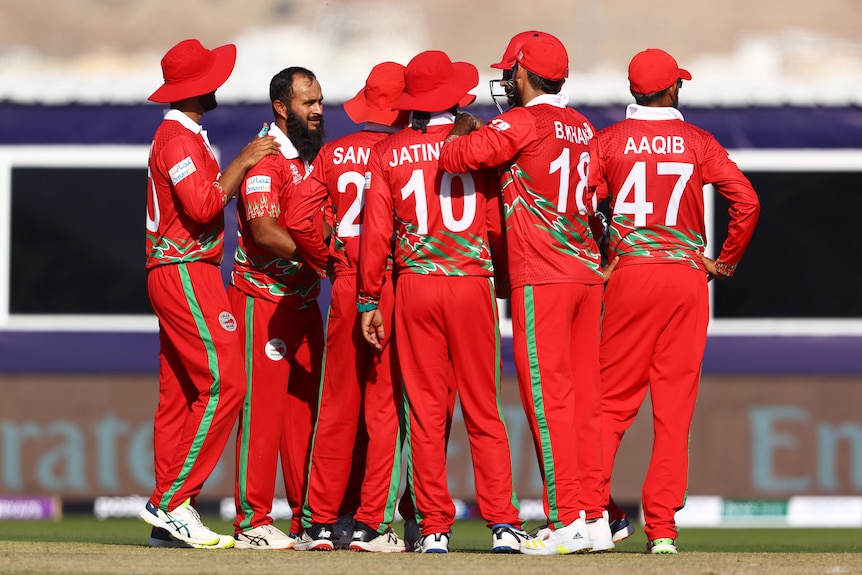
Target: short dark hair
{"x":543,"y":84}
{"x":281,"y":85}
{"x":647,"y":99}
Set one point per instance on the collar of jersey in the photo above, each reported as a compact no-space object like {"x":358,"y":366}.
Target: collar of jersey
{"x":288,"y":150}
{"x":187,"y":122}
{"x":438,"y":118}
{"x":636,"y":112}
{"x":559,"y":100}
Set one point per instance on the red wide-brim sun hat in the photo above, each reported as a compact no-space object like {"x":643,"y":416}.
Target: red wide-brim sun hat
{"x":191,"y":70}
{"x":373,"y":103}
{"x":433,"y":83}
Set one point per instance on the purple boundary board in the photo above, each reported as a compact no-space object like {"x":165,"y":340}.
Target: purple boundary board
{"x":137,"y":353}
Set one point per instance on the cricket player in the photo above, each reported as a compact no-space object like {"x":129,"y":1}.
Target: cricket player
{"x":358,"y":419}
{"x":556,"y":282}
{"x":274,"y":295}
{"x":652,"y":166}
{"x":201,"y":370}
{"x":446,"y":326}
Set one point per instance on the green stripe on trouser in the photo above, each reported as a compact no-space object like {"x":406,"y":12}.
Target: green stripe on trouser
{"x":245,"y":421}
{"x":539,"y":405}
{"x":212,"y":404}
{"x":306,"y":508}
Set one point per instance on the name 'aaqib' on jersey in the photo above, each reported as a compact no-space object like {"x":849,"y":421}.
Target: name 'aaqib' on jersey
{"x":661,"y":145}
{"x":422,"y":152}
{"x":350,"y":155}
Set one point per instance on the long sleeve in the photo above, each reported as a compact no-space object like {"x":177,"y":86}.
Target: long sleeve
{"x":744,"y":209}
{"x":302,"y":216}
{"x":375,"y":243}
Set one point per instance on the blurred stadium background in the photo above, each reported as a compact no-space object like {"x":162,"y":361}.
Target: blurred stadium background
{"x":777,"y":438}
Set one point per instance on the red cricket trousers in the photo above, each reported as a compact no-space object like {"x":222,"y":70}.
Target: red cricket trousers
{"x":555,"y":334}
{"x":653,"y":338}
{"x":358,"y":418}
{"x":284,"y":350}
{"x":447,"y":334}
{"x":201,"y":378}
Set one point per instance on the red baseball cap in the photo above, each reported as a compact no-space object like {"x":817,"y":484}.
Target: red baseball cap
{"x":191,"y":70}
{"x":374,"y":102}
{"x":513,"y":47}
{"x":546,"y":57}
{"x":654,"y":70}
{"x":434,"y":83}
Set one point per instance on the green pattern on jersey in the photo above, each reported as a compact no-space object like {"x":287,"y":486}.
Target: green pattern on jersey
{"x":168,"y":251}
{"x":563,"y":231}
{"x":449,"y":254}
{"x":212,"y":403}
{"x":268,"y":272}
{"x":658,"y":242}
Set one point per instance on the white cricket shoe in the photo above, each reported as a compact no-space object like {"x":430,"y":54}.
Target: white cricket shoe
{"x":263,"y":537}
{"x":573,"y":538}
{"x":315,"y":538}
{"x":507,"y":539}
{"x":366,"y":539}
{"x":599,"y":532}
{"x":434,"y":543}
{"x":182,"y":523}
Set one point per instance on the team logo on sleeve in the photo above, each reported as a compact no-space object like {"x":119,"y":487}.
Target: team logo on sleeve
{"x":183,"y":169}
{"x":258,"y":184}
{"x":500,"y":125}
{"x":227,"y":321}
{"x":275,"y":349}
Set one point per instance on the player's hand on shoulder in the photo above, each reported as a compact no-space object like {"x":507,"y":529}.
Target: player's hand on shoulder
{"x":258,"y":149}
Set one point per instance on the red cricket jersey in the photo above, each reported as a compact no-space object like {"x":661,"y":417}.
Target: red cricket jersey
{"x":653,"y":166}
{"x":543,"y":151}
{"x":264,"y":192}
{"x":338,"y":179}
{"x":185,"y":217}
{"x":441,"y":222}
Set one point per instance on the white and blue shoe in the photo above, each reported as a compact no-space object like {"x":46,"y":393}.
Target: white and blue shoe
{"x":507,"y":539}
{"x":184,"y":524}
{"x":434,"y":543}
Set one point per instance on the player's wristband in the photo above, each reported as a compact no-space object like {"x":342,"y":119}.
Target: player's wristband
{"x":366,"y":303}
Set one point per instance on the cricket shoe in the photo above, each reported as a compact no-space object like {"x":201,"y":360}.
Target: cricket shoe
{"x":661,"y":546}
{"x":182,"y":523}
{"x":412,"y":535}
{"x":507,"y":539}
{"x":599,"y":532}
{"x":573,"y":538}
{"x":367,"y":539}
{"x":161,"y":538}
{"x":263,"y":537}
{"x":315,"y":538}
{"x":434,"y":543}
{"x":621,"y":529}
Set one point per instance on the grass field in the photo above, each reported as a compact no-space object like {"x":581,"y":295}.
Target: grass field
{"x":85,"y":545}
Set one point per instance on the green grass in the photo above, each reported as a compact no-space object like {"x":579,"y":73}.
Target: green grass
{"x":468,"y":535}
{"x":80,"y":545}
